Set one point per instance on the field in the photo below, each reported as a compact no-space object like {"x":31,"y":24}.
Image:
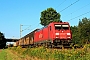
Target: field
{"x":41,"y":53}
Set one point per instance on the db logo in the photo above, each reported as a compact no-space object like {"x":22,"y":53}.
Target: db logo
{"x":40,"y":35}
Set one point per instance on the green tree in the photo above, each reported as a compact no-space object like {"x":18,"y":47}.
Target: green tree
{"x":48,"y":16}
{"x":84,"y":27}
{"x":81,"y":33}
{"x":75,"y":37}
{"x":1,"y":36}
{"x":2,"y":40}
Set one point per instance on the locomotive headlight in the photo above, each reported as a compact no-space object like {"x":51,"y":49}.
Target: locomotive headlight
{"x":68,"y":33}
{"x":57,"y":33}
{"x":68,"y":37}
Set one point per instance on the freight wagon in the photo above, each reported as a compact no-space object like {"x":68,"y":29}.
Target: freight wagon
{"x":27,"y":40}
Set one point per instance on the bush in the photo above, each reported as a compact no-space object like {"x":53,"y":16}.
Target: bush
{"x":55,"y":54}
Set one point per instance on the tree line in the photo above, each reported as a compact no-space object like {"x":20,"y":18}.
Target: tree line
{"x":81,"y":32}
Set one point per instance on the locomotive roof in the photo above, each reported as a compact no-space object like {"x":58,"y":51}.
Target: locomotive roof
{"x":59,"y":23}
{"x":53,"y":23}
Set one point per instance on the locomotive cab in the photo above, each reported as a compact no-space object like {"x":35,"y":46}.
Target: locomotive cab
{"x":61,"y":33}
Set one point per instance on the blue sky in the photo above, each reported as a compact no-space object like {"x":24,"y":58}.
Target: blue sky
{"x":27,"y":12}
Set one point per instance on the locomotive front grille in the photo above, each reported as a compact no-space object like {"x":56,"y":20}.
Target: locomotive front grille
{"x":63,"y":36}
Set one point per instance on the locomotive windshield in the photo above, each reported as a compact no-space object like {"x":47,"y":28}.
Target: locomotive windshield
{"x":66,"y":27}
{"x":58,"y":27}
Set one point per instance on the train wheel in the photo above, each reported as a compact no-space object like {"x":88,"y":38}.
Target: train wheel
{"x":43,"y":44}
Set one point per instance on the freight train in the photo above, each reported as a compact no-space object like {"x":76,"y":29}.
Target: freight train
{"x":53,"y":35}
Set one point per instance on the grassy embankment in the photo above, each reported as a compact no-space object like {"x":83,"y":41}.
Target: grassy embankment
{"x":55,"y":54}
{"x":6,"y":54}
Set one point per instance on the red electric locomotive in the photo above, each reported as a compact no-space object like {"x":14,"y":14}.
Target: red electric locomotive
{"x":55,"y":34}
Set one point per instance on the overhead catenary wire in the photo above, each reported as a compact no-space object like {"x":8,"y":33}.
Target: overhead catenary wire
{"x":27,"y":27}
{"x":78,"y":9}
{"x":60,"y":4}
{"x":69,"y":5}
{"x":35,"y":27}
{"x":79,"y":16}
{"x":66,"y":7}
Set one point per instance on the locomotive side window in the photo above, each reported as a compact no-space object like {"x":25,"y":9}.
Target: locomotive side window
{"x":66,"y":27}
{"x":50,"y":28}
{"x":58,"y":27}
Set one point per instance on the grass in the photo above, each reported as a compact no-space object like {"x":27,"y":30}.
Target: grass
{"x":3,"y":55}
{"x":55,"y":54}
{"x":6,"y":54}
